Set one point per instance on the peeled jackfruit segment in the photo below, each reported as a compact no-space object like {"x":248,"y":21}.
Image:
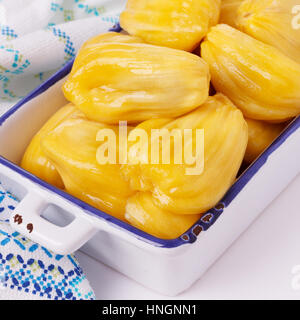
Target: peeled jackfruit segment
{"x":34,"y":159}
{"x":272,"y":22}
{"x":172,"y":23}
{"x":72,"y":147}
{"x":229,"y":10}
{"x":125,"y":80}
{"x":261,"y":135}
{"x":212,"y":156}
{"x":143,"y":214}
{"x":89,"y":51}
{"x":257,"y":78}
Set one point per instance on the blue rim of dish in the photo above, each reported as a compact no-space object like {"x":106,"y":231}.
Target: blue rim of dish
{"x":190,"y":236}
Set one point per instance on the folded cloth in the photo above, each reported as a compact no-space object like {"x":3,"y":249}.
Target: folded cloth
{"x":29,"y":271}
{"x":38,"y":37}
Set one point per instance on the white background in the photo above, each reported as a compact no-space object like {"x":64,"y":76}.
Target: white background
{"x":258,"y":266}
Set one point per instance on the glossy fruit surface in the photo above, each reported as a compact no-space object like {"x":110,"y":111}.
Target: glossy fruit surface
{"x":142,"y":213}
{"x":229,"y":10}
{"x":257,"y":78}
{"x":115,"y":77}
{"x":34,"y":160}
{"x":172,"y":23}
{"x":272,"y":22}
{"x":261,"y":135}
{"x":72,"y":148}
{"x":188,"y":188}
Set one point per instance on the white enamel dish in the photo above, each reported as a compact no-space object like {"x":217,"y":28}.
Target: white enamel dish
{"x":64,"y":224}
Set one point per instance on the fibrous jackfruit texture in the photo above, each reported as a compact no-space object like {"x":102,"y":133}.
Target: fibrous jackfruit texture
{"x":272,"y":22}
{"x":172,"y":23}
{"x":257,"y":78}
{"x":120,"y":78}
{"x":142,"y":213}
{"x":72,"y":148}
{"x":172,"y":187}
{"x":229,"y":10}
{"x":261,"y":135}
{"x":34,"y":160}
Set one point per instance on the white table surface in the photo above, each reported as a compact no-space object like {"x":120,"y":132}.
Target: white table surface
{"x":258,"y":266}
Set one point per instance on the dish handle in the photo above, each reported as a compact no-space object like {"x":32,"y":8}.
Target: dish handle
{"x":27,"y":220}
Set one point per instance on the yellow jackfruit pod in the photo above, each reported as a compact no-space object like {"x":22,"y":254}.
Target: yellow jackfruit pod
{"x":172,"y":23}
{"x":130,"y":81}
{"x":72,"y":148}
{"x":229,"y":10}
{"x":257,"y":78}
{"x":189,"y":184}
{"x":261,"y":135}
{"x":274,"y":23}
{"x":89,"y":51}
{"x":34,"y":160}
{"x":142,"y":213}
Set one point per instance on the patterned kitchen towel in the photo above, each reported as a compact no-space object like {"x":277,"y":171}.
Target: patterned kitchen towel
{"x":39,"y":36}
{"x":29,"y":271}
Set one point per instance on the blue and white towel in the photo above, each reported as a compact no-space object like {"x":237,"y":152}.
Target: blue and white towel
{"x":37,"y":37}
{"x":29,"y":271}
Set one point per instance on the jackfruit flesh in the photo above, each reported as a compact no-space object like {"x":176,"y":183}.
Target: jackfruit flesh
{"x":125,"y":80}
{"x":257,"y":78}
{"x":172,"y":23}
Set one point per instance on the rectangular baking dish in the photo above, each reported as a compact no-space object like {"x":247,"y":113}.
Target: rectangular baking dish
{"x":166,"y":266}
